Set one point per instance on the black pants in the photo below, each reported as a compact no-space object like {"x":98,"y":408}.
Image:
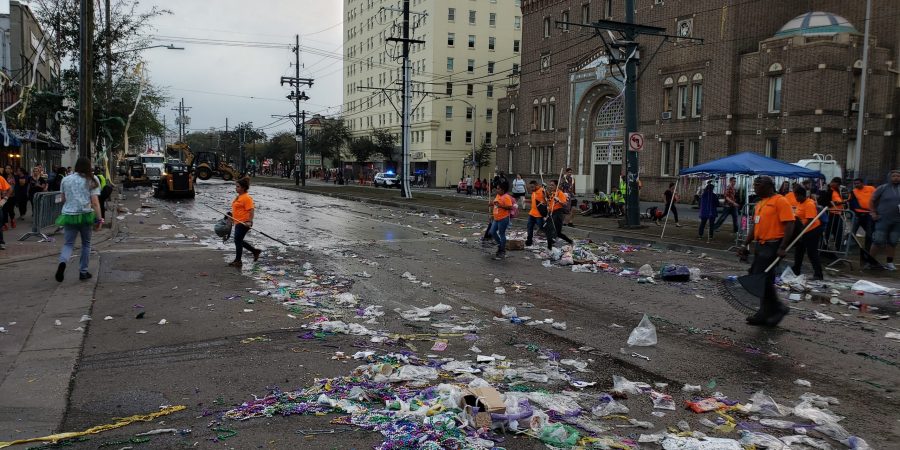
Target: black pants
{"x":728,"y":211}
{"x":864,"y":221}
{"x":10,"y":210}
{"x":809,"y":245}
{"x":557,"y":218}
{"x":102,"y":199}
{"x":22,"y":204}
{"x":835,"y":231}
{"x":240,"y":231}
{"x":763,"y":255}
{"x":671,"y":207}
{"x":2,"y":222}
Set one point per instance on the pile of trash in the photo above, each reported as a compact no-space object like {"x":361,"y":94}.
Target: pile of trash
{"x":428,"y":403}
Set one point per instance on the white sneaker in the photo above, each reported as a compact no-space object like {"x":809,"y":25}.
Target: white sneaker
{"x":890,"y":266}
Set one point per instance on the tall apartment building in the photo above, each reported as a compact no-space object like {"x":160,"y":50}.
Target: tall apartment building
{"x":774,"y":77}
{"x":471,"y":49}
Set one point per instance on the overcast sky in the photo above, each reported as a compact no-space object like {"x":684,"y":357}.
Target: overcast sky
{"x":228,"y":75}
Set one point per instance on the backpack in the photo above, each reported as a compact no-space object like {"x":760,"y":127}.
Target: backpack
{"x":514,"y":212}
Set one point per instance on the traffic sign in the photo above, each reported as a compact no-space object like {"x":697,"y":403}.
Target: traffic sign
{"x":636,"y":141}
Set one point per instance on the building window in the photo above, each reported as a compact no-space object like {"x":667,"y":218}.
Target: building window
{"x":679,"y":157}
{"x":543,"y":117}
{"x":516,"y":45}
{"x":775,"y":94}
{"x":586,"y":14}
{"x":488,"y":138}
{"x":490,"y":67}
{"x":492,"y":19}
{"x":546,"y":27}
{"x":510,"y":160}
{"x":772,"y":147}
{"x":451,"y":14}
{"x":451,"y":39}
{"x":489,"y":114}
{"x":470,"y":89}
{"x":682,"y":102}
{"x":534,"y":117}
{"x":449,"y":89}
{"x":470,"y":67}
{"x":697,"y":101}
{"x":512,"y":121}
{"x":694,"y":157}
{"x":565,"y":18}
{"x":548,"y":160}
{"x":551,"y":116}
{"x":471,"y":41}
{"x":608,"y":9}
{"x":450,"y":64}
{"x":471,"y":17}
{"x":535,"y":160}
{"x":517,"y":22}
{"x":448,"y":112}
{"x":468,"y":113}
{"x":468,"y":137}
{"x":665,"y":159}
{"x":667,"y":99}
{"x":491,"y":43}
{"x":448,"y":136}
{"x":490,"y":91}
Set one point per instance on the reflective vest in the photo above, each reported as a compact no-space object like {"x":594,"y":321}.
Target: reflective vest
{"x":102,"y":181}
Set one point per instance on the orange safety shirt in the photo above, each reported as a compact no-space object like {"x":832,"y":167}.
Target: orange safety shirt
{"x":537,"y":197}
{"x":4,"y":186}
{"x":806,"y":211}
{"x":864,"y":197}
{"x":838,"y":202}
{"x":769,"y":217}
{"x":791,"y":198}
{"x":502,"y":202}
{"x":241,"y":207}
{"x":559,"y":200}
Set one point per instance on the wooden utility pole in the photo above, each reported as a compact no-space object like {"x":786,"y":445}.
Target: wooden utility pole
{"x":86,"y":81}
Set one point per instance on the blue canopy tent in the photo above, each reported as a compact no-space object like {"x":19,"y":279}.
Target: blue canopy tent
{"x":749,"y":163}
{"x":746,"y":164}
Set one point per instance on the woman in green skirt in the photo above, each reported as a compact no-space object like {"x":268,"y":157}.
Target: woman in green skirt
{"x":81,"y":211}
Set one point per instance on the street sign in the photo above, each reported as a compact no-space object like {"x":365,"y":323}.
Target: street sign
{"x":636,"y":141}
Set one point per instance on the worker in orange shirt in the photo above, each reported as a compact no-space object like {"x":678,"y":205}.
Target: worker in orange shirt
{"x":242,"y":213}
{"x":809,"y":243}
{"x":860,"y":202}
{"x":5,"y":191}
{"x":771,"y":227}
{"x":834,"y":201}
{"x":557,"y":201}
{"x":501,"y":206}
{"x":537,"y":212}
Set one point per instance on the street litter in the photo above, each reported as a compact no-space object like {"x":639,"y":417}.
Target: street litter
{"x":108,"y":318}
{"x":802,"y":382}
{"x":644,"y":335}
{"x":499,"y":290}
{"x":871,"y":288}
{"x":892,"y":335}
{"x":165,"y":227}
{"x":85,"y":318}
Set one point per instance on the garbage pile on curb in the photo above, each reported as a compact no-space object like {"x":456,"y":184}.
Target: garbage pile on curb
{"x":436,"y":403}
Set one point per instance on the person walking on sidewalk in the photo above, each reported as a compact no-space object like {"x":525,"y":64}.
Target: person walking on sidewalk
{"x":731,"y":206}
{"x":37,"y":183}
{"x":671,"y":199}
{"x":242,"y":212}
{"x":809,"y":243}
{"x":537,"y":213}
{"x":80,"y":212}
{"x":5,"y":191}
{"x":771,"y":228}
{"x":21,"y":188}
{"x":501,"y":206}
{"x":518,"y":190}
{"x":10,"y":206}
{"x":709,"y":205}
{"x":885,"y":205}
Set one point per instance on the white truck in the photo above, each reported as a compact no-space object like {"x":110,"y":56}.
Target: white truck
{"x":154,"y":165}
{"x":823,"y":163}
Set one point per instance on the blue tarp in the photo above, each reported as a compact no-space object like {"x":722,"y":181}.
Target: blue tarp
{"x":749,"y":163}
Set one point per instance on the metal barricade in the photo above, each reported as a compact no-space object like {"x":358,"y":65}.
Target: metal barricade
{"x":836,"y":237}
{"x":47,"y":207}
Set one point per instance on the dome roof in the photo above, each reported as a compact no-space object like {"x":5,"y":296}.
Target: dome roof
{"x":816,"y":23}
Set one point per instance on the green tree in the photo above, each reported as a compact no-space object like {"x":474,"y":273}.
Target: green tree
{"x":362,"y":149}
{"x":483,"y":157}
{"x":385,"y":144}
{"x":330,"y":140}
{"x":281,"y":147}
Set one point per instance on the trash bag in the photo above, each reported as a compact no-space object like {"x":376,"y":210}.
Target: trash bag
{"x":608,"y":406}
{"x":871,"y":288}
{"x":559,"y":435}
{"x":764,"y":405}
{"x":623,"y":386}
{"x":644,"y":335}
{"x":675,"y":273}
{"x":222,"y":228}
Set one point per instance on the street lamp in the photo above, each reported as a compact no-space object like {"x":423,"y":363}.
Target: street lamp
{"x":167,"y":47}
{"x":474,"y":128}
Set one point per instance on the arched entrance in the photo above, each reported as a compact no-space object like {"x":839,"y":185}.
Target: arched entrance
{"x":607,"y":144}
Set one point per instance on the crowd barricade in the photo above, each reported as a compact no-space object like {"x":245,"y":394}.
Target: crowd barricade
{"x":47,"y":207}
{"x":836,"y":237}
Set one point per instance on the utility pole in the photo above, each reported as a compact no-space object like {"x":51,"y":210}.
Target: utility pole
{"x":181,"y":120}
{"x":407,"y":97}
{"x":626,"y":50}
{"x":296,"y":95}
{"x":861,"y":114}
{"x":86,"y":78}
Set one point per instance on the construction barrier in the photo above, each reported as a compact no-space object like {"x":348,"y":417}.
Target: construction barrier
{"x":836,"y":237}
{"x":47,"y":207}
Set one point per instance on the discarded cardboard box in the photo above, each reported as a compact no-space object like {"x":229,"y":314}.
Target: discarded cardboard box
{"x":486,"y":399}
{"x":515,"y":244}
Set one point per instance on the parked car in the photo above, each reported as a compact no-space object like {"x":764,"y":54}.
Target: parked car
{"x":386,"y":179}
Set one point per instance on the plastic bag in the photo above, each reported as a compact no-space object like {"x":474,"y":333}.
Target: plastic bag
{"x":644,"y":335}
{"x":410,"y":373}
{"x":764,"y":405}
{"x":870,"y":287}
{"x":761,"y":440}
{"x":623,"y":386}
{"x":646,"y":271}
{"x":675,"y":273}
{"x":440,"y":308}
{"x":806,"y":410}
{"x":672,"y":442}
{"x":559,"y":435}
{"x":662,"y":401}
{"x":608,"y":406}
{"x":508,"y":311}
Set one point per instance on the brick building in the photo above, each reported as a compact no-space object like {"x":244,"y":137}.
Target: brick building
{"x":770,"y":77}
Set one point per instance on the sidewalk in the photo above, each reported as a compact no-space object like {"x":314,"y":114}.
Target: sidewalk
{"x":448,"y":202}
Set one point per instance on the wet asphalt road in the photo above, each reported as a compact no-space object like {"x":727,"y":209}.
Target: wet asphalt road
{"x":702,"y":340}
